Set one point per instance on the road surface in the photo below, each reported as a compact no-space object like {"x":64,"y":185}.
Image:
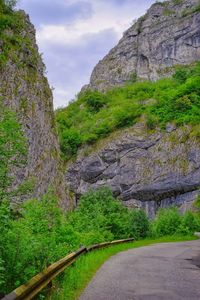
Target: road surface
{"x":169,"y":271}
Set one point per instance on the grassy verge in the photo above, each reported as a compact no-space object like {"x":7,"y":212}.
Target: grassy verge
{"x":76,"y":278}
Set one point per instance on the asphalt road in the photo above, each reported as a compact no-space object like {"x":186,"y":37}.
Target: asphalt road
{"x":169,"y":271}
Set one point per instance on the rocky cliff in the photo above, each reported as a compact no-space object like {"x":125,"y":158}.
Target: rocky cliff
{"x":144,"y":169}
{"x":168,"y":35}
{"x":147,"y":169}
{"x":24,"y":88}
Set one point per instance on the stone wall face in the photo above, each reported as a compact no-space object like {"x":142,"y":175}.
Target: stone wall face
{"x":147,"y":170}
{"x":25,"y":89}
{"x":164,"y":37}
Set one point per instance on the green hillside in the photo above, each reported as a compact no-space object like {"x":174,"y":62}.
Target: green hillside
{"x":93,"y":115}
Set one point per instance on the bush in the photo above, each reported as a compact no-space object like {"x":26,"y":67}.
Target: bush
{"x":70,"y":142}
{"x":169,"y":221}
{"x":94,"y":100}
{"x":181,"y":74}
{"x":125,"y":117}
{"x":140,"y":225}
{"x":99,"y":212}
{"x":190,"y":223}
{"x":41,"y":233}
{"x":38,"y":237}
{"x":166,"y":222}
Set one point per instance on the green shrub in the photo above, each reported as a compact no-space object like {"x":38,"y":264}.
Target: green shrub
{"x":189,"y":224}
{"x":35,"y":239}
{"x":169,"y":221}
{"x":99,"y":212}
{"x":103,"y":129}
{"x":41,"y":233}
{"x":126,"y":117}
{"x":166,"y":222}
{"x":140,"y":225}
{"x":94,"y":100}
{"x":70,"y":141}
{"x":181,"y":74}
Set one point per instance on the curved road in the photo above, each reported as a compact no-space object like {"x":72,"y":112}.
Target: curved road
{"x":169,"y":271}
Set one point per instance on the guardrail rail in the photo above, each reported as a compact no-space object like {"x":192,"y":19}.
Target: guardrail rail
{"x":35,"y":285}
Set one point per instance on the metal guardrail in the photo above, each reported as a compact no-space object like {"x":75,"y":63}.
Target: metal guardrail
{"x":35,"y":285}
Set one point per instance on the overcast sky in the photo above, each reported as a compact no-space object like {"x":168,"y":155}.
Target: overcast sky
{"x":74,"y":35}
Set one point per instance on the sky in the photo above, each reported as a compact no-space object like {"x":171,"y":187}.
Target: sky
{"x":73,"y":35}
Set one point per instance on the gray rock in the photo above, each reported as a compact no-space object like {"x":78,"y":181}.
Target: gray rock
{"x":142,"y":169}
{"x":168,"y":35}
{"x":170,"y":127}
{"x":25,"y":89}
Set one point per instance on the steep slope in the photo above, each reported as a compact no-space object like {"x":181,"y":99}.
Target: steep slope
{"x":169,"y":34}
{"x":24,"y":88}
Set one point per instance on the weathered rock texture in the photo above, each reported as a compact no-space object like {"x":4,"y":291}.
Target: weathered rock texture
{"x":147,"y":170}
{"x":24,"y":88}
{"x":169,"y":34}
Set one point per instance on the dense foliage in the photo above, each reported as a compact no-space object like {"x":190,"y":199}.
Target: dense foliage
{"x":16,"y":46}
{"x":42,"y":234}
{"x":170,"y":221}
{"x":95,"y":115}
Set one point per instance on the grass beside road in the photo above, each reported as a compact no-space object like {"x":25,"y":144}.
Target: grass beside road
{"x":76,"y":277}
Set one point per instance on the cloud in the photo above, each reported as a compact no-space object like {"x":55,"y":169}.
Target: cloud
{"x":79,"y":59}
{"x":56,"y":12}
{"x":74,"y":35}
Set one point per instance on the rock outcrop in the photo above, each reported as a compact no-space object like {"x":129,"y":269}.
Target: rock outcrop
{"x":144,"y":169}
{"x":168,"y":35}
{"x":25,"y":89}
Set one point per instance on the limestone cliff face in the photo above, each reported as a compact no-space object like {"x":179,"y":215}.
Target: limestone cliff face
{"x":169,"y":34}
{"x":24,"y":88}
{"x":144,"y":169}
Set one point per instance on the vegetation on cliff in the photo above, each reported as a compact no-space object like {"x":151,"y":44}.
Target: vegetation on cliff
{"x":95,"y":115}
{"x":14,"y":41}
